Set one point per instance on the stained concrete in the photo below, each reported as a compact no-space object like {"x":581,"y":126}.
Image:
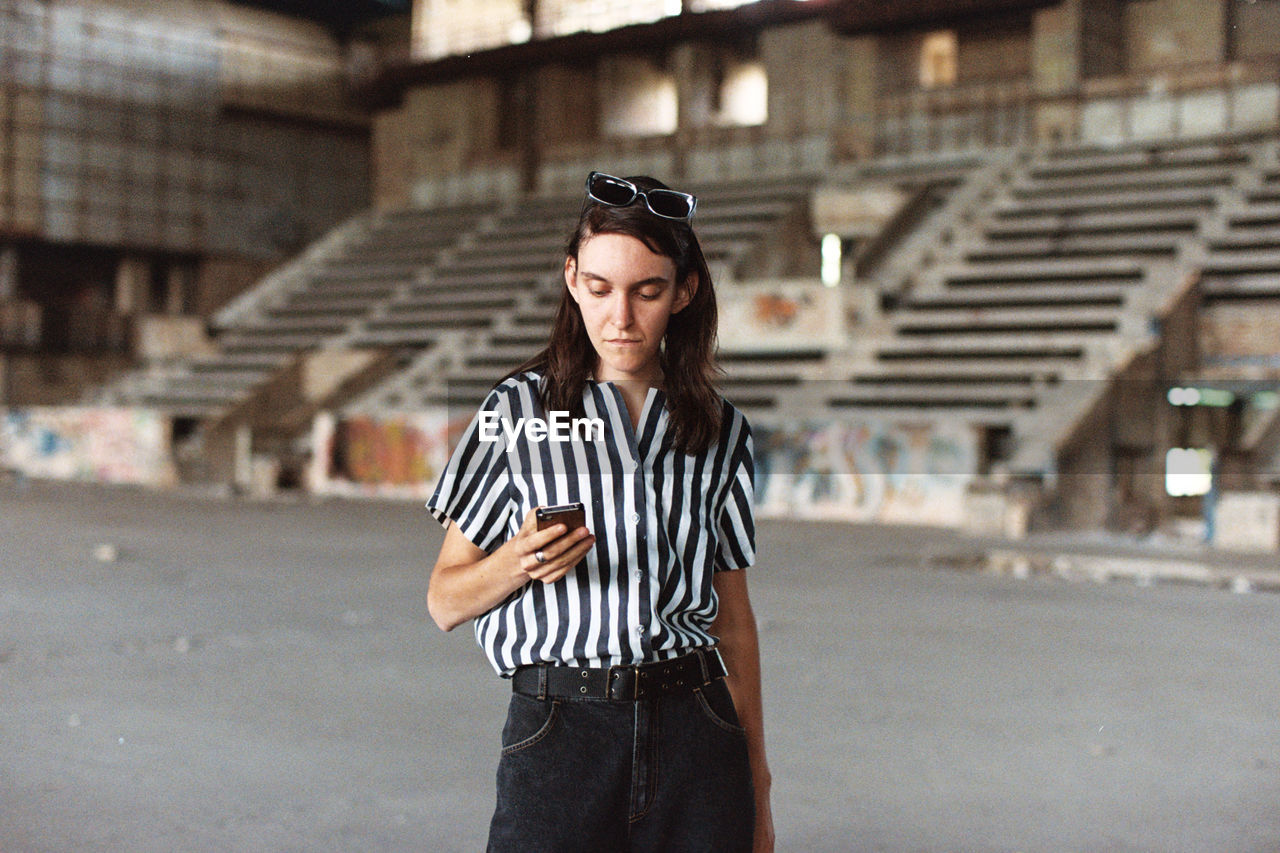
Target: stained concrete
{"x":179,"y":672}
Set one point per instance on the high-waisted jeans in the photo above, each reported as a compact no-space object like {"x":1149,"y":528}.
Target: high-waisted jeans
{"x":668,"y":774}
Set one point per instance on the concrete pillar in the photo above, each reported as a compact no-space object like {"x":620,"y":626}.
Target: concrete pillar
{"x":133,"y":279}
{"x":8,"y":273}
{"x":1055,"y":70}
{"x":178,"y":288}
{"x":856,"y":100}
{"x":242,"y":458}
{"x":802,"y":93}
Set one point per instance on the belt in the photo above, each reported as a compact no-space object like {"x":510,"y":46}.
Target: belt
{"x":624,"y":683}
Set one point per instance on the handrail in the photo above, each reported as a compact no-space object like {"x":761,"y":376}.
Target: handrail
{"x":1108,"y":109}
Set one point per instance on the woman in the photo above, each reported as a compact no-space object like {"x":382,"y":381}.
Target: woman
{"x":624,"y":731}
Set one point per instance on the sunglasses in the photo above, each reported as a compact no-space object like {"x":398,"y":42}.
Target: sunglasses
{"x":616,"y":192}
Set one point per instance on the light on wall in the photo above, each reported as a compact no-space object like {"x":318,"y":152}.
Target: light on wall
{"x":832,"y":252}
{"x":938,"y":59}
{"x":745,"y":95}
{"x":520,"y":31}
{"x":1188,"y":471}
{"x":1213,"y":397}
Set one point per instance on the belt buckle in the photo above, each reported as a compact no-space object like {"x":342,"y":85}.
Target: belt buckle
{"x":613,"y":678}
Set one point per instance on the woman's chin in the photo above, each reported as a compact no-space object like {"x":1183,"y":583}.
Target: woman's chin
{"x":628,"y":367}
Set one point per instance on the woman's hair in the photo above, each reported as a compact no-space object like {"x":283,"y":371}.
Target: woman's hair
{"x":687,"y":353}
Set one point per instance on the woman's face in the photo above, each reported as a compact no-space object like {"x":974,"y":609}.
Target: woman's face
{"x":626,"y":294}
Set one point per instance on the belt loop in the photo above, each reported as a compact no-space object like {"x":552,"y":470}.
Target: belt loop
{"x":542,"y":681}
{"x":702,"y":662}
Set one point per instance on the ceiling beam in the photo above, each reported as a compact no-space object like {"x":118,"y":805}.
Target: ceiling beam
{"x":723,"y":25}
{"x":847,"y":17}
{"x":853,"y":17}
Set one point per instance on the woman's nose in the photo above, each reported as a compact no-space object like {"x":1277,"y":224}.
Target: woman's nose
{"x":622,"y":312}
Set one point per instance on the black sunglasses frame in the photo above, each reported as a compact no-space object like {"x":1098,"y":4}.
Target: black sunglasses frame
{"x":636,"y":193}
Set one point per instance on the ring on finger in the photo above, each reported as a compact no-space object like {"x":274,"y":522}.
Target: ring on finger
{"x":539,"y":556}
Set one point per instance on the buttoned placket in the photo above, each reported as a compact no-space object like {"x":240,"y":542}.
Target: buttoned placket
{"x":639,"y":517}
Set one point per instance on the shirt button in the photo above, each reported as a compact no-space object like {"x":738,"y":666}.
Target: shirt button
{"x":640,"y":630}
{"x":635,"y":518}
{"x":639,"y":575}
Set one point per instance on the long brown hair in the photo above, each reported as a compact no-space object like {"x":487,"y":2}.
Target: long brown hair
{"x":687,"y":354}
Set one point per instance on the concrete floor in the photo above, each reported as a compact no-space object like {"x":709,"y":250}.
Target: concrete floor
{"x":179,"y":672}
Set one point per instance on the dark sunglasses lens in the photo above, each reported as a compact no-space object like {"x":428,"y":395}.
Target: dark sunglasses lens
{"x":670,"y":203}
{"x":611,"y":191}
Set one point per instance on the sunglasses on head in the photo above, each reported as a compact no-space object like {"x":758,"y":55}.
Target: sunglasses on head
{"x":615,"y":192}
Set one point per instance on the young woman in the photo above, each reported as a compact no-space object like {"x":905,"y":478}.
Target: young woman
{"x":635,"y":719}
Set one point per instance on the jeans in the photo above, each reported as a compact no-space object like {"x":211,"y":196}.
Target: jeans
{"x":668,"y":774}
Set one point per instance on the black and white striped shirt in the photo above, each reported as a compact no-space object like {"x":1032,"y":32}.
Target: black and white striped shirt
{"x":664,"y":522}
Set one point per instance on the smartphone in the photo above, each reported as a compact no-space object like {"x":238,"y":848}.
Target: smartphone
{"x":572,"y":516}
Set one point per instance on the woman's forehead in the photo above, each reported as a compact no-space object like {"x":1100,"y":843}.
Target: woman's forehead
{"x":608,"y":255}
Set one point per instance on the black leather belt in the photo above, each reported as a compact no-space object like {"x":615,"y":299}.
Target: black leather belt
{"x":624,"y":683}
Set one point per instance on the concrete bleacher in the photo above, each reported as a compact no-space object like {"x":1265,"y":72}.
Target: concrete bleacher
{"x":511,"y":254}
{"x":510,"y":273}
{"x":1243,"y":261}
{"x":1023,"y":273}
{"x":322,"y":299}
{"x":768,"y":381}
{"x":1054,"y":279}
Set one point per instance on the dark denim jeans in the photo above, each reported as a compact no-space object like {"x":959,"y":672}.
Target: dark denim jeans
{"x":667,"y":774}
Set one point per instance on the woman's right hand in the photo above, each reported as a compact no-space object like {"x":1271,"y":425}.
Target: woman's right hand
{"x":467,"y":582}
{"x":561,"y":548}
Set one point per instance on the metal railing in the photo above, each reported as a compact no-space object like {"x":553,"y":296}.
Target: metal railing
{"x":1194,"y":101}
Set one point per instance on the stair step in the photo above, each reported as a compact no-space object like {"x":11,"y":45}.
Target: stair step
{"x":1031,"y":295}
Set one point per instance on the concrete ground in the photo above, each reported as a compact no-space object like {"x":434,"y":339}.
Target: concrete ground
{"x":179,"y":672}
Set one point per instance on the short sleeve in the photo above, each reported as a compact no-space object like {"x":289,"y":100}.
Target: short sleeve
{"x":472,"y":491}
{"x":736,"y":526}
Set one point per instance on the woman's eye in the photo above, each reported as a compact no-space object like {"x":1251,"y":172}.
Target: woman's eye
{"x":650,"y":296}
{"x":598,"y":292}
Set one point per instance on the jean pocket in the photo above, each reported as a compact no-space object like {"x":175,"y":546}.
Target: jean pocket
{"x":717,"y":705}
{"x":529,"y":720}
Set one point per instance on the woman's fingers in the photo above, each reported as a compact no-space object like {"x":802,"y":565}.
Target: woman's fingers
{"x":561,"y":555}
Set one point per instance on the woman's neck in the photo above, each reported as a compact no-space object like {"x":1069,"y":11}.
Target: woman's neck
{"x":635,"y":381}
{"x":634,"y":390}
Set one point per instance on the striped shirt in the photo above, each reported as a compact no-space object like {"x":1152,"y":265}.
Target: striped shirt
{"x":664,"y":523}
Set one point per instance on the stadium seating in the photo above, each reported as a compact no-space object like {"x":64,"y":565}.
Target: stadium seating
{"x":319,"y":299}
{"x":1244,"y":258}
{"x":1019,"y":274}
{"x":1056,"y":279}
{"x":508,"y":277}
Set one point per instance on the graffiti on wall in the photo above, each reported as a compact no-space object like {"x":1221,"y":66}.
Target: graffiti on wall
{"x":104,"y":445}
{"x":898,"y":473}
{"x":380,"y":456}
{"x":780,"y":315}
{"x":887,"y":472}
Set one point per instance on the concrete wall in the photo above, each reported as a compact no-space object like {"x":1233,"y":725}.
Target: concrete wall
{"x":1248,"y":521}
{"x":903,"y":473}
{"x":1102,"y":37}
{"x":1242,"y":329}
{"x":102,"y":445}
{"x":48,"y":379}
{"x":1254,"y":29}
{"x":219,"y":279}
{"x":822,"y":84}
{"x":1164,"y":33}
{"x":437,"y":133}
{"x":802,"y":92}
{"x":197,"y":126}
